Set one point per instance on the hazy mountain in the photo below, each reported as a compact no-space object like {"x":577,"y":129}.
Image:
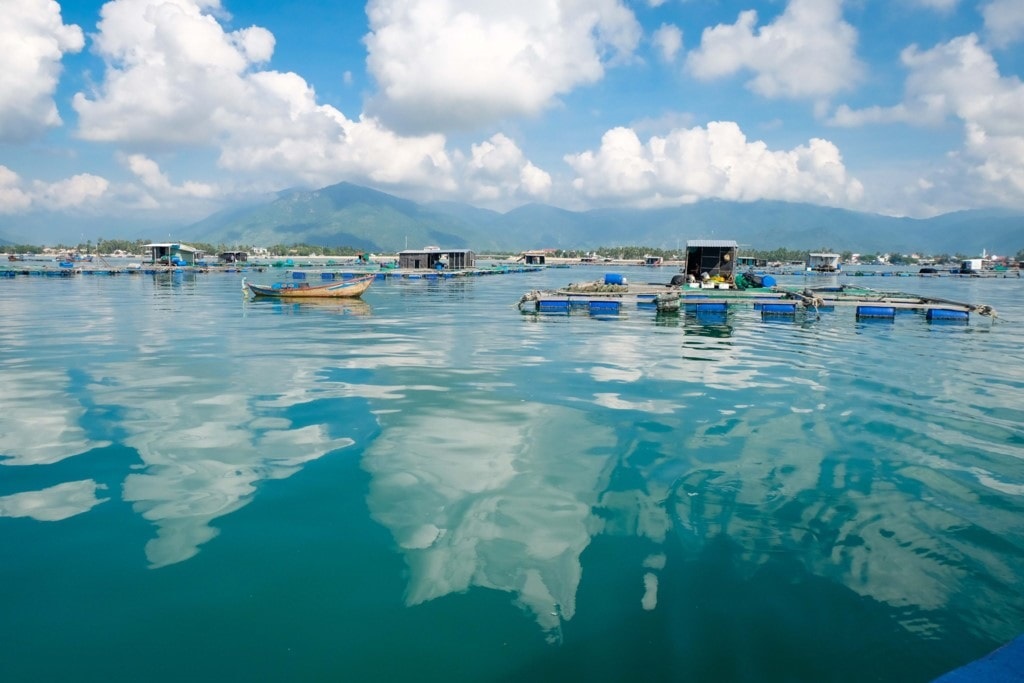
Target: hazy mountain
{"x":350,"y":215}
{"x":340,"y":215}
{"x":757,"y":225}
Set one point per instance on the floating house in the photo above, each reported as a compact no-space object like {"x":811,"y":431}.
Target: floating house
{"x":434,"y":258}
{"x":975,"y":266}
{"x":823,"y":262}
{"x":716,"y":258}
{"x":653,"y":261}
{"x":233,"y":257}
{"x":746,"y":262}
{"x":172,"y":254}
{"x":533,"y":258}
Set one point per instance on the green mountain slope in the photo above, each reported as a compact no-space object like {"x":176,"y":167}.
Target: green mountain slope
{"x":350,"y":215}
{"x":337,"y":216}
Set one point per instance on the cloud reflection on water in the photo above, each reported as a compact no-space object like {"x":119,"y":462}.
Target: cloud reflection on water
{"x":205,"y":448}
{"x":39,"y":420}
{"x":491,"y":495}
{"x":788,"y":486}
{"x":53,"y":504}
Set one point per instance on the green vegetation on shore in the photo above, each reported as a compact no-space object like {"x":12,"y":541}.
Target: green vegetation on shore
{"x":620,"y":253}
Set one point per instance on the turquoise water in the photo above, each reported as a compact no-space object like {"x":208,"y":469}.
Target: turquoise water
{"x":431,"y":486}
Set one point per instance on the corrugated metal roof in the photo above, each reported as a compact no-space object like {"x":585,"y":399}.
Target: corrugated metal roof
{"x":170,"y":245}
{"x":712,"y":243}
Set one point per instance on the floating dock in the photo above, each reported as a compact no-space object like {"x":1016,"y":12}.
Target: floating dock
{"x":50,"y":270}
{"x":772,"y":302}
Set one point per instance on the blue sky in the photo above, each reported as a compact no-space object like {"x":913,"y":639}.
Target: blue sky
{"x":164,"y":111}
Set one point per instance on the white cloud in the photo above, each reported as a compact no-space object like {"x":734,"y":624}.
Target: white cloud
{"x":171,"y":71}
{"x":34,"y":40}
{"x":1004,"y":21}
{"x":17,"y":196}
{"x":961,"y":80}
{"x":156,"y":181}
{"x":463,"y":64}
{"x":668,"y":40}
{"x":318,"y":145}
{"x":174,"y":76}
{"x":13,"y":197}
{"x":807,"y":52}
{"x":713,"y":162}
{"x":75,"y":191}
{"x":497,"y":169}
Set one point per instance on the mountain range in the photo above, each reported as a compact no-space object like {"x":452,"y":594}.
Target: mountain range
{"x":350,"y":215}
{"x":363,"y":218}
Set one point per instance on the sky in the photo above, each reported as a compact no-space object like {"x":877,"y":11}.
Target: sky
{"x":166,"y":111}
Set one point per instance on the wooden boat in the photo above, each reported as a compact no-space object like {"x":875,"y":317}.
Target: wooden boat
{"x":346,"y":289}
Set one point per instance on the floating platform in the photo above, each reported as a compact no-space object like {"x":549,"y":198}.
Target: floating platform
{"x":772,"y":302}
{"x":608,"y":300}
{"x":15,"y":269}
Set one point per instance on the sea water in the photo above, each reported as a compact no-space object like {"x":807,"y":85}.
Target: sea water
{"x":429,"y":485}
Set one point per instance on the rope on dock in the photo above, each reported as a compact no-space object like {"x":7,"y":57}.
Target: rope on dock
{"x":533,"y":295}
{"x":807,"y":297}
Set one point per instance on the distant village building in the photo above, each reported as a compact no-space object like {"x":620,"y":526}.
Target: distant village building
{"x":233,"y":257}
{"x":435,"y":258}
{"x":750,"y":262}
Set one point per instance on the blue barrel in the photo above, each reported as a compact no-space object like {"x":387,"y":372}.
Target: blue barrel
{"x":947,"y":314}
{"x":614,"y":279}
{"x":767,"y":281}
{"x":560,"y":306}
{"x":876,"y":312}
{"x":598,"y":306}
{"x":778,"y":309}
{"x":708,"y":306}
{"x":326,"y":276}
{"x":296,"y":275}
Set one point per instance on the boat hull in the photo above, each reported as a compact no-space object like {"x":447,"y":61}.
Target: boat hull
{"x":347,"y":289}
